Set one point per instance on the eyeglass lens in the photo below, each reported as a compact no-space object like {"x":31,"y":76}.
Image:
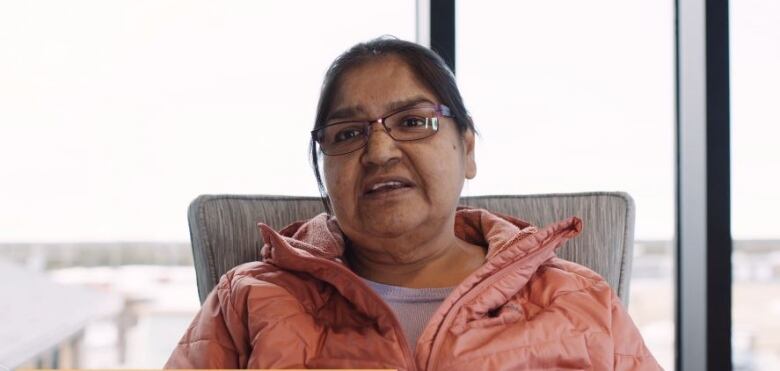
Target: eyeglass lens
{"x":412,"y":124}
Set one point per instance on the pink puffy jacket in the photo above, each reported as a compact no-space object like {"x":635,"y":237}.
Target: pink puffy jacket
{"x":523,"y":309}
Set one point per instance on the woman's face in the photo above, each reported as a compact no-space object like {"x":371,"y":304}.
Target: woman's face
{"x":432,"y":170}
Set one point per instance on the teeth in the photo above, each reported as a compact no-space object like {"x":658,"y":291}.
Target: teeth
{"x":386,"y":184}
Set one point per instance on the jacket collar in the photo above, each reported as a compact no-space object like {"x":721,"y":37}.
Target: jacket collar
{"x":506,"y":238}
{"x":515,"y":250}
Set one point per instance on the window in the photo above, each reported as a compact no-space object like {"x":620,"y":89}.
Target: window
{"x":115,"y":115}
{"x":755,"y":55}
{"x":583,"y":94}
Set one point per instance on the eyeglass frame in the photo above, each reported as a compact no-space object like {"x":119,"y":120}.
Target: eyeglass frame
{"x":441,"y":110}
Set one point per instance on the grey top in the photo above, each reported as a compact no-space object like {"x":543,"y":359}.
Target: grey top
{"x":412,"y":307}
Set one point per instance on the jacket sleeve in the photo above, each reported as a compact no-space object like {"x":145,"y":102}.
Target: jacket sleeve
{"x":630,"y":351}
{"x":212,"y":337}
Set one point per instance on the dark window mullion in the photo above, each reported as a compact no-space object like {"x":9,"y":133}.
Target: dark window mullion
{"x":703,"y":246}
{"x":719,"y":243}
{"x":443,"y":30}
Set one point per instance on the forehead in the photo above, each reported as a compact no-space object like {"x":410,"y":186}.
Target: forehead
{"x":377,"y":86}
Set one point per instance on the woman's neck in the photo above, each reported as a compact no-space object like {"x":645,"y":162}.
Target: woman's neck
{"x":443,"y":262}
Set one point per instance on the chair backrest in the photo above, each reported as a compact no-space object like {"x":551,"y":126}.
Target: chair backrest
{"x":224,"y":234}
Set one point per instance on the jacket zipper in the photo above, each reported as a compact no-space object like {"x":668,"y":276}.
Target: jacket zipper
{"x":450,"y":316}
{"x":396,"y":324}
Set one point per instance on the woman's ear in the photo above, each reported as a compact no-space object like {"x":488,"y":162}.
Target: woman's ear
{"x":468,"y":147}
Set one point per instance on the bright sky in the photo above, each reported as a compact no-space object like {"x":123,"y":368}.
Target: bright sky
{"x":115,"y":115}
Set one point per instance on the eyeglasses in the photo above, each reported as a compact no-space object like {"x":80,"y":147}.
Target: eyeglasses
{"x":415,"y":123}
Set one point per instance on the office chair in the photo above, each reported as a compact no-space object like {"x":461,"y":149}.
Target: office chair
{"x":224,"y":234}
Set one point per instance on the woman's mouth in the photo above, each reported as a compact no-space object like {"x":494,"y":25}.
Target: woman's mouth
{"x":386,"y":187}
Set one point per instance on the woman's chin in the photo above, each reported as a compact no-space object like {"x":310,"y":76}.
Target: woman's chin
{"x":393,"y":221}
{"x":391,"y":207}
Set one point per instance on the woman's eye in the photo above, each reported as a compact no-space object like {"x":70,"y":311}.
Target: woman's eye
{"x":414,"y":122}
{"x":347,"y":134}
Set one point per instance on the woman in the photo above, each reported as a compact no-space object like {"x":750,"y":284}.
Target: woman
{"x":395,"y":275}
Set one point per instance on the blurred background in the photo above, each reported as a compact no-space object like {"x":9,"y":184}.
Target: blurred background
{"x":114,"y":115}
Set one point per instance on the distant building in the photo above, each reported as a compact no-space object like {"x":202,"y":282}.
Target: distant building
{"x":43,"y":322}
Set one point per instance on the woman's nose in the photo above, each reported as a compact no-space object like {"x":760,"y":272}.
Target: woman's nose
{"x":381,"y":148}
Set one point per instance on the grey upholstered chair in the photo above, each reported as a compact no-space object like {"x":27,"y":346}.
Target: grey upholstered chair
{"x":223,"y":229}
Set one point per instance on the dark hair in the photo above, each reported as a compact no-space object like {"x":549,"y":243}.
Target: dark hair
{"x":428,"y":67}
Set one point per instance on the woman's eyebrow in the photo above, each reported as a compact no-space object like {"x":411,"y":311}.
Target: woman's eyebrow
{"x":406,"y":103}
{"x":353,"y":111}
{"x":345,"y":112}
